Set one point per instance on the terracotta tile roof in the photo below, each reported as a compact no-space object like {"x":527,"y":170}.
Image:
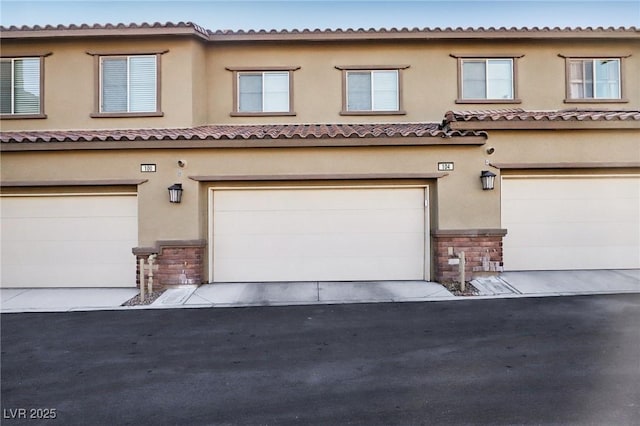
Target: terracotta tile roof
{"x":243,"y":132}
{"x":104,"y":26}
{"x":517,"y":114}
{"x":103,"y":29}
{"x":431,"y":30}
{"x":311,"y":34}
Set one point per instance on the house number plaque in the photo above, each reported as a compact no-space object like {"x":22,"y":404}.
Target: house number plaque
{"x":148,"y":168}
{"x":445,"y":167}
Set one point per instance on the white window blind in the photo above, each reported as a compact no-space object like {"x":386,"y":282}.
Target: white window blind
{"x":6,"y":86}
{"x":20,"y":86}
{"x":129,"y":84}
{"x":263,"y":92}
{"x":250,"y":92}
{"x":142,"y":83}
{"x":359,"y":91}
{"x":385,"y":90}
{"x":372,"y":91}
{"x":276,"y":92}
{"x":114,"y":85}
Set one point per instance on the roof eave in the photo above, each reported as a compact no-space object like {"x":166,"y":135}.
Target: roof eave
{"x":66,"y":145}
{"x":101,"y":32}
{"x":544,"y":124}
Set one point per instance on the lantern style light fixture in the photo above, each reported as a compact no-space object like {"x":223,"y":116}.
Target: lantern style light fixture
{"x":488,"y":180}
{"x":175,"y":193}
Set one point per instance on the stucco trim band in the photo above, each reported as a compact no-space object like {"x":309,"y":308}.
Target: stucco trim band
{"x":344,"y":176}
{"x":103,"y":182}
{"x":593,"y":165}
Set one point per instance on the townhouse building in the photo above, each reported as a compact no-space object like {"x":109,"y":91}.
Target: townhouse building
{"x":315,"y":155}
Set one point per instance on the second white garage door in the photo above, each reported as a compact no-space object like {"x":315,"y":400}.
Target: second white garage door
{"x":556,"y":223}
{"x":327,"y":234}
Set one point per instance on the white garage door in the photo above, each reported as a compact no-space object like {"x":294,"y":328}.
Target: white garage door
{"x":69,"y":241}
{"x":571,"y":223}
{"x":319,"y":234}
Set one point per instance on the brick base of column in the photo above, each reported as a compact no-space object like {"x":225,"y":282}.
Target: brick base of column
{"x":172,"y":258}
{"x":482,"y":249}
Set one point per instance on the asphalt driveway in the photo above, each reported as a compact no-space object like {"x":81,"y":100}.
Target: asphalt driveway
{"x":549,"y":361}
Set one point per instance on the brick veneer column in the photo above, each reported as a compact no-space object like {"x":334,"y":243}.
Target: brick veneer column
{"x":482,"y":248}
{"x":173,"y":257}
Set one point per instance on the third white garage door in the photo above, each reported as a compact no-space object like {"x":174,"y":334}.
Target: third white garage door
{"x":561,"y":223}
{"x":319,"y":234}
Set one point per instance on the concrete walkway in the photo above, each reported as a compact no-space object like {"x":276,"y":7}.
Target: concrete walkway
{"x":508,"y":284}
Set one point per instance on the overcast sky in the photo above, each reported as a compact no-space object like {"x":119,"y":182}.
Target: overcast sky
{"x":289,"y":14}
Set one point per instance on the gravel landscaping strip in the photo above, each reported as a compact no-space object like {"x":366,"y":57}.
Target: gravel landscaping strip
{"x":149,"y":299}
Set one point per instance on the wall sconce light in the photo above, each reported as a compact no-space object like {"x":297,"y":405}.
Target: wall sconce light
{"x":488,"y":179}
{"x":175,"y":193}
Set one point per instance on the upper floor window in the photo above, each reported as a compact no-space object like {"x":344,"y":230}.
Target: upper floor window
{"x":376,"y":90}
{"x":266,"y":91}
{"x":594,"y":79}
{"x":263,"y":91}
{"x":372,"y":91}
{"x":127,"y":84}
{"x":21,"y":90}
{"x":487,"y":80}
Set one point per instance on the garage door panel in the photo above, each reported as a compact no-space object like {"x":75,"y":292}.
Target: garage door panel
{"x":80,"y":229}
{"x":68,"y":252}
{"x":316,"y":199}
{"x":318,"y":234}
{"x":580,"y":188}
{"x":559,"y":234}
{"x":307,"y":245}
{"x":70,"y":241}
{"x":315,"y":269}
{"x":574,"y":223}
{"x":297,"y":221}
{"x":67,"y":206}
{"x":555,"y":258}
{"x":94,"y":275}
{"x":569,"y":211}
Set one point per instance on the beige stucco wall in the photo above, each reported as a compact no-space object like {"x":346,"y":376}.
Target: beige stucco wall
{"x":160,"y":220}
{"x":459,"y":203}
{"x":565,"y":146}
{"x":70,"y":83}
{"x":197,"y":89}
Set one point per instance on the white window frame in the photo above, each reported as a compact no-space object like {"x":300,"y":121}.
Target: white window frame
{"x":40,"y":112}
{"x":372,"y":90}
{"x":593,"y":61}
{"x":263,"y":74}
{"x":486,"y":79}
